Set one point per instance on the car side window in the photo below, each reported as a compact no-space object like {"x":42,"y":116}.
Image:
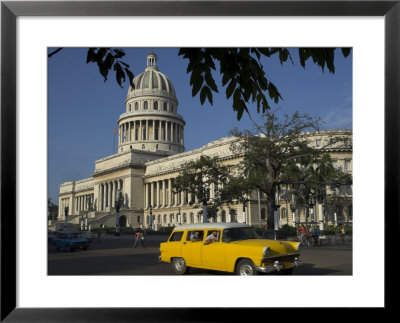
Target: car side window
{"x":209,"y":232}
{"x":176,"y":236}
{"x":227,"y":236}
{"x":196,"y":235}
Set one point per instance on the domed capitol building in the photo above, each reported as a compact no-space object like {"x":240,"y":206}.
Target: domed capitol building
{"x":150,"y":154}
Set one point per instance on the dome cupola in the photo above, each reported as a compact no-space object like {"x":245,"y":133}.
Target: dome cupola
{"x":151,"y":121}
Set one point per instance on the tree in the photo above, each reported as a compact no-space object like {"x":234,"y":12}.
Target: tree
{"x":198,"y":177}
{"x":52,"y":210}
{"x":279,"y":156}
{"x":241,"y":70}
{"x":106,"y":60}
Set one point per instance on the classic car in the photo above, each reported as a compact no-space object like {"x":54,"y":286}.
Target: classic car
{"x":236,"y":248}
{"x":70,"y":241}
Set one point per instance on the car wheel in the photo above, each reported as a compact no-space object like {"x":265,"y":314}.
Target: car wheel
{"x":179,"y":266}
{"x":310,"y":242}
{"x":245,"y":267}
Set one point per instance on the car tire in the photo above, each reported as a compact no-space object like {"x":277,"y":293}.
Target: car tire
{"x":310,"y":242}
{"x":245,"y":267}
{"x":179,"y":266}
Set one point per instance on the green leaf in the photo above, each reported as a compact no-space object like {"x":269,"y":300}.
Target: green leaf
{"x":231,"y":87}
{"x":131,"y":77}
{"x":206,"y":93}
{"x":346,"y":51}
{"x":197,"y":82}
{"x":91,"y":57}
{"x":210,"y":81}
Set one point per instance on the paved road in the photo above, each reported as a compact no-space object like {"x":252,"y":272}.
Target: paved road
{"x":115,"y":256}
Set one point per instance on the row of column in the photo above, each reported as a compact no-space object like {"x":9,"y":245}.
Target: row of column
{"x":151,"y":130}
{"x":160,"y":194}
{"x":173,"y":219}
{"x":82,"y":202}
{"x":108,"y":193}
{"x":64,"y":202}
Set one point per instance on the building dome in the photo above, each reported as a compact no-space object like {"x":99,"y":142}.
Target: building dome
{"x":151,"y":121}
{"x":151,"y":81}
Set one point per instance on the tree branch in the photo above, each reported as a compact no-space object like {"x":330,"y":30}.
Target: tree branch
{"x":54,"y":52}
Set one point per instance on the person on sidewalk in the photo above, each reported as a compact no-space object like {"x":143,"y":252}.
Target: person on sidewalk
{"x":138,"y":240}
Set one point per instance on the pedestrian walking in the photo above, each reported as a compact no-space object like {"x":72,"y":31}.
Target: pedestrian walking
{"x":138,"y":240}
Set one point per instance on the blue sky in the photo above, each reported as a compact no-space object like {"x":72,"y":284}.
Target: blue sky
{"x":83,"y":110}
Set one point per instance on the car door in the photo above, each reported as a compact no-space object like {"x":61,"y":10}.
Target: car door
{"x":213,"y":254}
{"x":191,"y":250}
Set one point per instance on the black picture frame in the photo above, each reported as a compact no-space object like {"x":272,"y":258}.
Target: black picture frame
{"x":10,"y":10}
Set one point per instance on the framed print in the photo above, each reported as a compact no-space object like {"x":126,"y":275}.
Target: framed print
{"x":90,"y":23}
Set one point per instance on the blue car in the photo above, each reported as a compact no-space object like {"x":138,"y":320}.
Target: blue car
{"x":70,"y":242}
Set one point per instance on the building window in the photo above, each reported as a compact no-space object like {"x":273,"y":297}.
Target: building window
{"x":157,"y":147}
{"x":263,"y":214}
{"x":165,"y":106}
{"x":136,"y":106}
{"x":146,"y":105}
{"x":130,"y":107}
{"x":318,"y":143}
{"x":143,"y":146}
{"x":155,"y":107}
{"x":138,"y":219}
{"x":347,"y":165}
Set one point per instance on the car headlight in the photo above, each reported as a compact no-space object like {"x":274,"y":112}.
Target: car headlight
{"x":266,"y":251}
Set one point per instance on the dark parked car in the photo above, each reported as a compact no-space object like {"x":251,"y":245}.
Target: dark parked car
{"x":70,"y":241}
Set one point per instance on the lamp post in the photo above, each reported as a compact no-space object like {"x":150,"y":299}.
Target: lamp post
{"x":151,"y":218}
{"x":179,"y":216}
{"x":66,"y":218}
{"x":244,"y":212}
{"x":205,"y":200}
{"x":118,"y":204}
{"x":276,"y":211}
{"x":293,"y":209}
{"x":311,"y":203}
{"x":320,"y":199}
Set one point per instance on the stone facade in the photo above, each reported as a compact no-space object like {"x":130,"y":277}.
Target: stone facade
{"x":149,"y":158}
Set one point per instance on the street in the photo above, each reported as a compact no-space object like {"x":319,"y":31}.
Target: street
{"x":115,"y":256}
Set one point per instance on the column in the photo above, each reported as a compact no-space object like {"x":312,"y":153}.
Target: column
{"x":147,"y":129}
{"x":158,"y":194}
{"x":169,"y":192}
{"x":134,"y":130}
{"x":140,"y":130}
{"x":152,"y":194}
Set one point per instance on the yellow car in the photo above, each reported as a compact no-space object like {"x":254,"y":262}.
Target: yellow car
{"x":231,"y":247}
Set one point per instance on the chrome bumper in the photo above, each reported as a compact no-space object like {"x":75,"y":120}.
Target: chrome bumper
{"x":278,"y":266}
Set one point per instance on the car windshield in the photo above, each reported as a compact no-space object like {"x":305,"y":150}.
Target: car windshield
{"x":236,"y":234}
